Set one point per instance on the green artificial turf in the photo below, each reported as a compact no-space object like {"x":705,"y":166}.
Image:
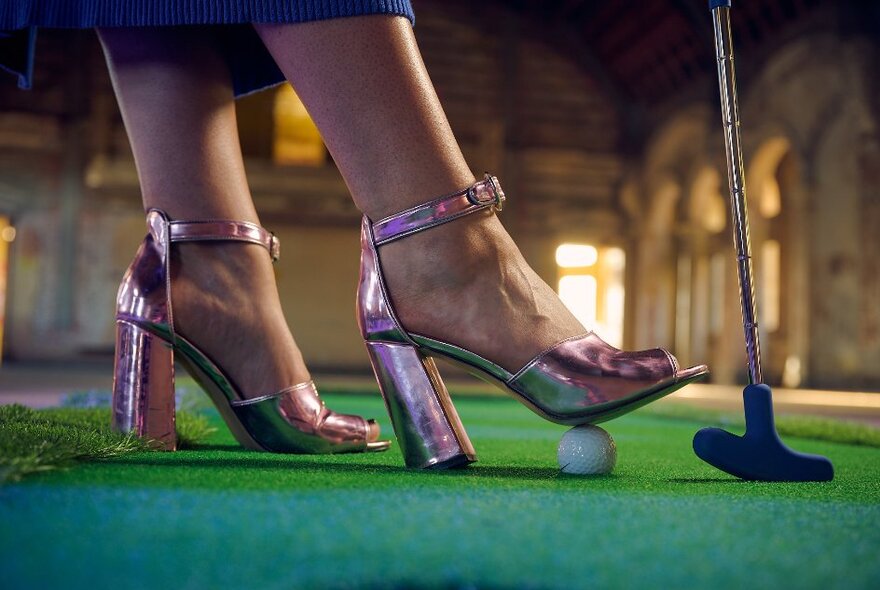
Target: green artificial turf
{"x":220,"y":516}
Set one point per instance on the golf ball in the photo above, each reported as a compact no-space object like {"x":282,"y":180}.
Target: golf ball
{"x":587,"y":450}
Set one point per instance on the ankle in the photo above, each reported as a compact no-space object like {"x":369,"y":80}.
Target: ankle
{"x":234,"y":273}
{"x":395,"y":193}
{"x":226,"y":258}
{"x":451,"y":254}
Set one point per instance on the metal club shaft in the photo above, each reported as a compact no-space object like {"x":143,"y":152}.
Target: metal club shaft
{"x":736,"y":179}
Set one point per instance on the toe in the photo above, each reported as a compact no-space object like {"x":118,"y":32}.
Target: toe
{"x":373,"y":430}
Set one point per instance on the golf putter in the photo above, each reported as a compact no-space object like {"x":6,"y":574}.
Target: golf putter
{"x":759,"y":454}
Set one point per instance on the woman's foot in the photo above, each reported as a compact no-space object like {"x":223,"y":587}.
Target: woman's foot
{"x":226,"y":303}
{"x":466,"y":282}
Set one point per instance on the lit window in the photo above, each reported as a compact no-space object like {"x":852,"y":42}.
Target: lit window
{"x":770,"y":271}
{"x":792,"y":374}
{"x":611,"y":324}
{"x":576,"y":255}
{"x":297,"y":140}
{"x":770,"y":202}
{"x":716,"y":213}
{"x":578,"y":293}
{"x":707,"y":205}
{"x":591,"y":286}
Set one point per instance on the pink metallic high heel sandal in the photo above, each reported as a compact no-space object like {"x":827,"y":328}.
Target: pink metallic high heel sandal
{"x":293,"y":420}
{"x":580,"y":380}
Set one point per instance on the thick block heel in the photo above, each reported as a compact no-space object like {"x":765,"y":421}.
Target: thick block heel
{"x":427,"y":426}
{"x":143,"y":386}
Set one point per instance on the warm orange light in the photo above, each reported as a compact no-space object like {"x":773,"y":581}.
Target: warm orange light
{"x":591,"y":285}
{"x":770,"y":203}
{"x":297,"y":140}
{"x":576,"y":255}
{"x":578,"y":293}
{"x":771,"y":266}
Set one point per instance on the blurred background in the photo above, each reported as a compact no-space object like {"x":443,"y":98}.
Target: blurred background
{"x":601,"y":118}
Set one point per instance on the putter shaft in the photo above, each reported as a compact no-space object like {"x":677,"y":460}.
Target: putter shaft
{"x":736,"y":180}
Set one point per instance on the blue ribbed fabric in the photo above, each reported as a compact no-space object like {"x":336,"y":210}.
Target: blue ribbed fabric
{"x":19,"y":14}
{"x":250,"y":63}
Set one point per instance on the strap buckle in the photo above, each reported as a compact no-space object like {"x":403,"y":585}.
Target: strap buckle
{"x":274,"y":247}
{"x":487,"y":192}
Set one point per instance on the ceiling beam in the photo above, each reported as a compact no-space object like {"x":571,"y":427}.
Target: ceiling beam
{"x":698,"y":16}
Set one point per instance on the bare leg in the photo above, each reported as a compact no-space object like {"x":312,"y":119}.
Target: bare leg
{"x":176,"y":100}
{"x":365,"y":85}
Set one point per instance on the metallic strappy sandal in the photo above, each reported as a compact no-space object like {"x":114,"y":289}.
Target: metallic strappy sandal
{"x":580,"y":380}
{"x":293,"y":420}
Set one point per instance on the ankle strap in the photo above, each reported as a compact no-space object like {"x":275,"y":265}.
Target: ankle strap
{"x":219,"y":230}
{"x":481,"y":195}
{"x":239,"y":231}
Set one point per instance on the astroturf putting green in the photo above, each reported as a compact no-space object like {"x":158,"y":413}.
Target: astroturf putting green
{"x":220,"y":516}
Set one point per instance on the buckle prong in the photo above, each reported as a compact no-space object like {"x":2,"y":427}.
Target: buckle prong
{"x":497,"y":195}
{"x":496,"y":190}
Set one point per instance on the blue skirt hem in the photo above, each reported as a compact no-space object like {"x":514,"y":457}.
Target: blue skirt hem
{"x":250,"y":64}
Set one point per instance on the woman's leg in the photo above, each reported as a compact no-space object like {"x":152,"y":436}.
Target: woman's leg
{"x":176,"y":100}
{"x":365,"y":85}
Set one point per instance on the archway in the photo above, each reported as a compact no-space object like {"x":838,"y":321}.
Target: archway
{"x":778,"y":230}
{"x":705,"y":294}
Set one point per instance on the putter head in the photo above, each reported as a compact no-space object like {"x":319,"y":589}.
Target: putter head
{"x":759,"y":454}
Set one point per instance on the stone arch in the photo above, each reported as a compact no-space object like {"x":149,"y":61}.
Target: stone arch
{"x":777,"y":197}
{"x":679,"y":142}
{"x":807,"y":125}
{"x":809,"y":106}
{"x":789,"y":109}
{"x":803,"y":89}
{"x":705,"y":289}
{"x":656,"y":201}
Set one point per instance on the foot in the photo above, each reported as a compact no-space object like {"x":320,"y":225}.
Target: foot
{"x":466,"y":282}
{"x":226,"y":303}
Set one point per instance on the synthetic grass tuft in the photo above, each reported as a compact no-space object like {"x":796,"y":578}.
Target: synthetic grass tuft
{"x":33,"y":441}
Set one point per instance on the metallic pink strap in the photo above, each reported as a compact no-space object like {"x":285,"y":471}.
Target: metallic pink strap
{"x":241,"y":231}
{"x":479,"y":196}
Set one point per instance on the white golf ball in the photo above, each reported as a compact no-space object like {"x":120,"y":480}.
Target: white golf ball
{"x":586,"y":450}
